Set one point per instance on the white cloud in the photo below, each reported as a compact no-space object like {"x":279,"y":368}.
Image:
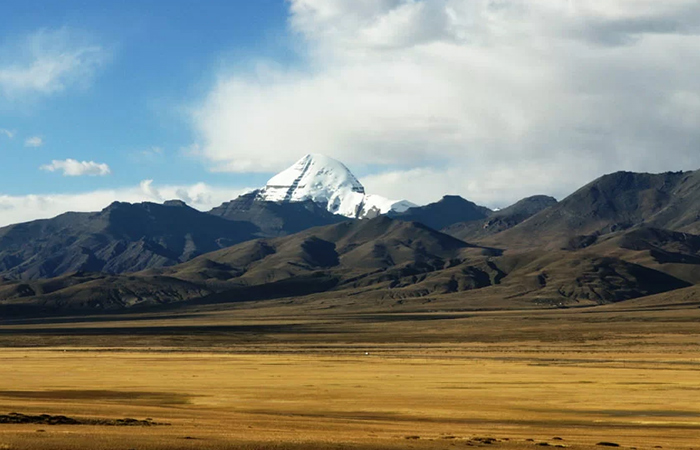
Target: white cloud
{"x":16,"y":209}
{"x":8,"y":133}
{"x":72,"y":168}
{"x":514,"y":97}
{"x":34,"y":141}
{"x":495,"y":189}
{"x":47,"y":62}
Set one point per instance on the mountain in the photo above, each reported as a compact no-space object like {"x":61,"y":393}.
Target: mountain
{"x":83,"y":291}
{"x":330,"y":184}
{"x":275,"y":219}
{"x":128,"y":238}
{"x":614,"y":202}
{"x":449,"y":210}
{"x":501,"y":220}
{"x":663,"y":245}
{"x":376,"y":253}
{"x":621,"y":226}
{"x":377,"y":263}
{"x":365,"y":247}
{"x":121,"y":238}
{"x":671,"y":252}
{"x":621,"y":237}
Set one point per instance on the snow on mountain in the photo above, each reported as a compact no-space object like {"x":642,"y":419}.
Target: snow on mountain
{"x":374,"y":205}
{"x":328,"y":182}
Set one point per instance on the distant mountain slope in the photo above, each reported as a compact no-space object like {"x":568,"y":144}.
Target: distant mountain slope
{"x":672,"y":252}
{"x":614,"y":202}
{"x":447,"y":211}
{"x":366,"y":248}
{"x":376,"y":253}
{"x":501,"y":220}
{"x":621,"y":237}
{"x":121,"y":238}
{"x":276,"y":219}
{"x":664,"y":245}
{"x":93,"y":292}
{"x":381,"y":261}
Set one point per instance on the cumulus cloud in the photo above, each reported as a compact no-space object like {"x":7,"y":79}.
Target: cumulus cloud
{"x":72,"y":168}
{"x":9,"y":134}
{"x":492,"y":99}
{"x":34,"y":141}
{"x":47,"y":62}
{"x":16,"y":209}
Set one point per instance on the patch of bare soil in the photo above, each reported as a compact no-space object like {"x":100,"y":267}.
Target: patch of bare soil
{"x":47,"y":419}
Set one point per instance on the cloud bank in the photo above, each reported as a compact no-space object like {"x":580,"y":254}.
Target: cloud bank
{"x":490,"y":99}
{"x":16,"y":209}
{"x":72,"y":168}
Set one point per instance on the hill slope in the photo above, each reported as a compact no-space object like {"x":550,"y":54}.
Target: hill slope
{"x":379,"y":263}
{"x":376,"y":253}
{"x":121,"y":238}
{"x":614,"y":202}
{"x":447,"y":211}
{"x":501,"y":220}
{"x":621,"y":237}
{"x":275,"y":219}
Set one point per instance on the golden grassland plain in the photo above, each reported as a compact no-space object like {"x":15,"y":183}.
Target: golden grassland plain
{"x":228,"y":379}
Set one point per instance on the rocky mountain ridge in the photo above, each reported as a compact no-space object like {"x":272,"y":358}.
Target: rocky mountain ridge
{"x":622,"y":236}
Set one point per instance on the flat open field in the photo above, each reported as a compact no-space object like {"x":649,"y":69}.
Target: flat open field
{"x":488,"y":379}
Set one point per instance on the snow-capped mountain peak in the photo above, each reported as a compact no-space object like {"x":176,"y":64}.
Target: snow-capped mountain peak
{"x":328,"y":182}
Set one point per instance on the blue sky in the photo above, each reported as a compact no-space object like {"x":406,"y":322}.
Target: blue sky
{"x":199,"y":100}
{"x":157,"y":58}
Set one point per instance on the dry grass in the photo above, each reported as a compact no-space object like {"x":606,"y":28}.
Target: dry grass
{"x":376,"y":399}
{"x":233,"y":380}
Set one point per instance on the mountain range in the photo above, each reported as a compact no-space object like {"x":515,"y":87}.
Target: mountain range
{"x":314,"y":236}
